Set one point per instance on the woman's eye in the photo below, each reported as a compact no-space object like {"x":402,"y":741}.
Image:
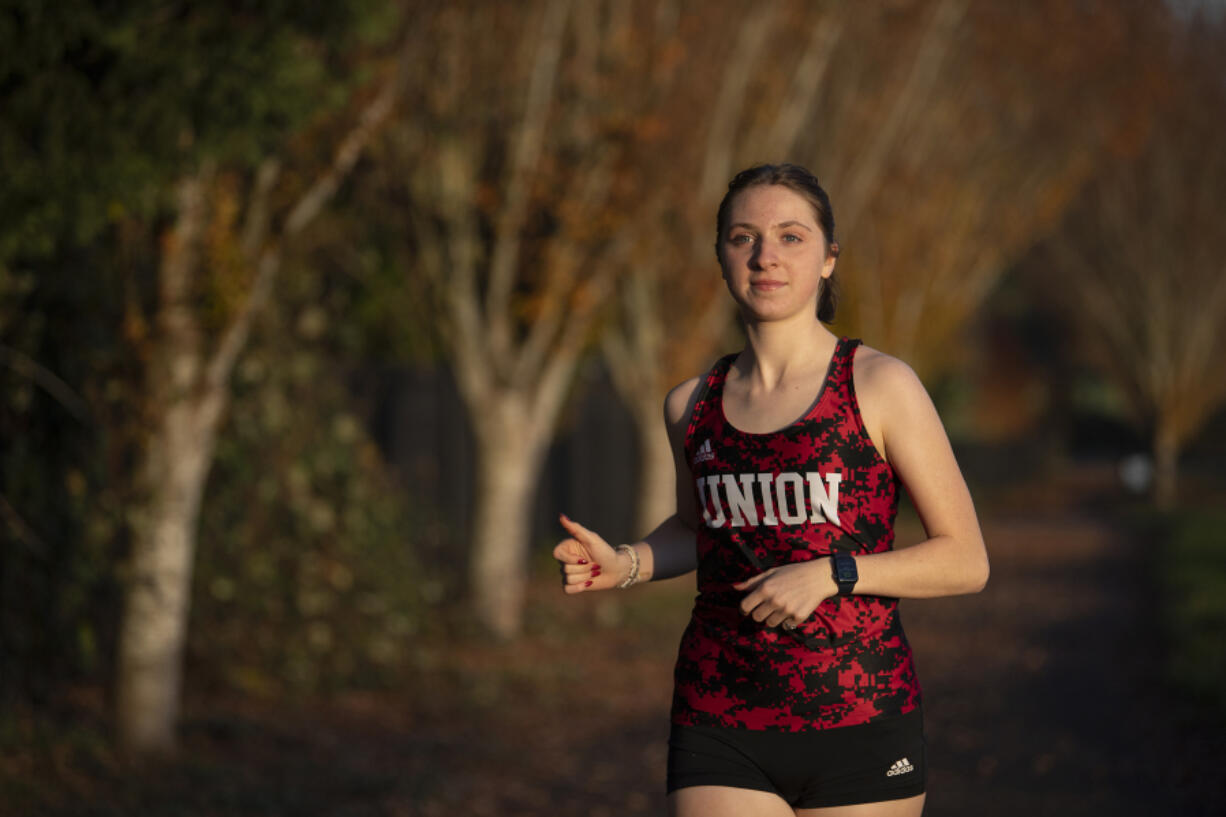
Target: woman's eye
{"x":791,"y":238}
{"x":742,"y":238}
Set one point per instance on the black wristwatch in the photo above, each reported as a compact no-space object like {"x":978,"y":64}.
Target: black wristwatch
{"x":845,"y":574}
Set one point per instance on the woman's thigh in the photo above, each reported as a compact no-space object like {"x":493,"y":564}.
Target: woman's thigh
{"x":725,"y":801}
{"x":906,"y":807}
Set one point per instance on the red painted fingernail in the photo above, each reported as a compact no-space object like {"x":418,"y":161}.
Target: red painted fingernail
{"x":595,"y":573}
{"x":587,"y":583}
{"x":583,"y":561}
{"x":595,"y":567}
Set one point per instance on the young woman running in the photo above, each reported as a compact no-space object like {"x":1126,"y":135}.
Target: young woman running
{"x":795,"y":691}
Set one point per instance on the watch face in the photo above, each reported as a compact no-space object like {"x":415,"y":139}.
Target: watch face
{"x":845,"y":569}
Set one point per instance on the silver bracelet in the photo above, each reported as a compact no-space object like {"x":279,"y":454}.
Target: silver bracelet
{"x":634,"y":566}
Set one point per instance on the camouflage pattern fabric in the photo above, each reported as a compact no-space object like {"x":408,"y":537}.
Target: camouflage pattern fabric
{"x":801,"y":493}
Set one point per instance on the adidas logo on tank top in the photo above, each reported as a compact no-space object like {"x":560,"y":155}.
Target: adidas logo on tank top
{"x":900,"y":767}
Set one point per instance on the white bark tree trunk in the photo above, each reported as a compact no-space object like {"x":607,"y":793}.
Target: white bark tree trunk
{"x":509,"y":461}
{"x":513,"y":426}
{"x":177,"y":457}
{"x":518,"y":308}
{"x":154,"y":628}
{"x":189,"y":389}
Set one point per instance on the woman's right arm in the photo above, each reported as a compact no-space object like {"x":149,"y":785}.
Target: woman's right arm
{"x":590,"y":563}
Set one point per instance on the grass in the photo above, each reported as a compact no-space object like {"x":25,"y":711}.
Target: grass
{"x":1194,"y":593}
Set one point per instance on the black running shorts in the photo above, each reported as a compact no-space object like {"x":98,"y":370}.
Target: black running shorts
{"x":882,"y":760}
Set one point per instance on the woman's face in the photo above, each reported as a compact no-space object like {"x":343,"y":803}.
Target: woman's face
{"x":773,"y":254}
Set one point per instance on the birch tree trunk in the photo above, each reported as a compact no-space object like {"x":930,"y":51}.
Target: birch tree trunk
{"x":1139,"y":263}
{"x":509,"y":463}
{"x":501,"y":142}
{"x":188,"y":392}
{"x":176,"y":463}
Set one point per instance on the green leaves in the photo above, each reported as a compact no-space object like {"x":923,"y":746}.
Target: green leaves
{"x":104,"y":103}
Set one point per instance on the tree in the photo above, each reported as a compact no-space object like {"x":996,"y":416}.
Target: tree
{"x":1139,"y":262}
{"x":307,"y":576}
{"x":168,"y":114}
{"x":511,"y":172}
{"x":940,"y":130}
{"x":949,"y":161}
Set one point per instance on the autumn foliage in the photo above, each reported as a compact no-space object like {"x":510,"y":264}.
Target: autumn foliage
{"x":533,"y":185}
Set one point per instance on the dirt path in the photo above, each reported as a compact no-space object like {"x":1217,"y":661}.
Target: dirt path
{"x":1044,"y":693}
{"x":1042,"y":698}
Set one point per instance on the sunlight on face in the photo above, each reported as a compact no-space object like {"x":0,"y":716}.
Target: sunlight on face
{"x":773,"y":252}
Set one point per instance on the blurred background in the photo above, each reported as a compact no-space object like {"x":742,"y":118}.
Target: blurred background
{"x":313,"y":316}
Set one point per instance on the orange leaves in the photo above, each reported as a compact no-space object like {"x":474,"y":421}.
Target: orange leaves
{"x":227,"y":273}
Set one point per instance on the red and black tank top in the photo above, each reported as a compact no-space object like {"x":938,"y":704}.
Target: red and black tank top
{"x":813,"y":488}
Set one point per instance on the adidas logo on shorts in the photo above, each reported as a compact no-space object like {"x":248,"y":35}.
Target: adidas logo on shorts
{"x":900,"y":767}
{"x":705,"y":453}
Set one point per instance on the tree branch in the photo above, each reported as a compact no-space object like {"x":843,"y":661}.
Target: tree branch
{"x":373,"y":116}
{"x":22,"y":530}
{"x":305,"y":210}
{"x":255,"y":229}
{"x":47,"y":380}
{"x":529,"y":142}
{"x":561,"y":272}
{"x":916,"y":90}
{"x":730,"y":101}
{"x":805,"y":89}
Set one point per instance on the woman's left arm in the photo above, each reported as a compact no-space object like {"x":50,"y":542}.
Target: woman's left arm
{"x":904,"y":424}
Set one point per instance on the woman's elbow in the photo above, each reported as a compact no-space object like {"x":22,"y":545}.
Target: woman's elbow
{"x":977,"y":575}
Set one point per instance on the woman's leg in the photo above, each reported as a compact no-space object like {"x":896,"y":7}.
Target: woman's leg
{"x":907,"y":807}
{"x":725,"y":801}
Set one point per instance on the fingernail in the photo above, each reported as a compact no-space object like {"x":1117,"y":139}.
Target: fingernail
{"x":595,"y":573}
{"x":583,"y":561}
{"x":587,"y":583}
{"x":595,"y":567}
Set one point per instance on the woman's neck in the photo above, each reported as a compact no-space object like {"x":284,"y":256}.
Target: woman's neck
{"x":778,"y":349}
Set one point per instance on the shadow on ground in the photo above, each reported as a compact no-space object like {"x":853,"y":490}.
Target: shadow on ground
{"x":1045,"y":693}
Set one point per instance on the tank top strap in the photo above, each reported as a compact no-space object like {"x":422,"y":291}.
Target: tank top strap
{"x":841,"y":370}
{"x":710,"y":391}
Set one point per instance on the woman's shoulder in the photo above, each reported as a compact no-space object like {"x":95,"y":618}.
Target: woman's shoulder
{"x":890,"y":397}
{"x":679,"y":403}
{"x":883,"y":376}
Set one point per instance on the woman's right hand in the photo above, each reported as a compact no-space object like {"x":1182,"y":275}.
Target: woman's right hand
{"x":588,"y":561}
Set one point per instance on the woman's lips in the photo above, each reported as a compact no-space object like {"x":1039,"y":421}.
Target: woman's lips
{"x":768,"y":285}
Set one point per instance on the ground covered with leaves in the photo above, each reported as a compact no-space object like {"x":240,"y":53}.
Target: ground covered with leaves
{"x":1045,"y":694}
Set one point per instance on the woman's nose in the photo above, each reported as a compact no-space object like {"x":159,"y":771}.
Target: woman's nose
{"x":765,"y":255}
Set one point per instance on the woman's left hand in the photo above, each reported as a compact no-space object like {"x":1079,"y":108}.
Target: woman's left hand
{"x":789,"y":593}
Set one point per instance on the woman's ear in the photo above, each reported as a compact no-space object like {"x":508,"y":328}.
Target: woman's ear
{"x":832,"y":257}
